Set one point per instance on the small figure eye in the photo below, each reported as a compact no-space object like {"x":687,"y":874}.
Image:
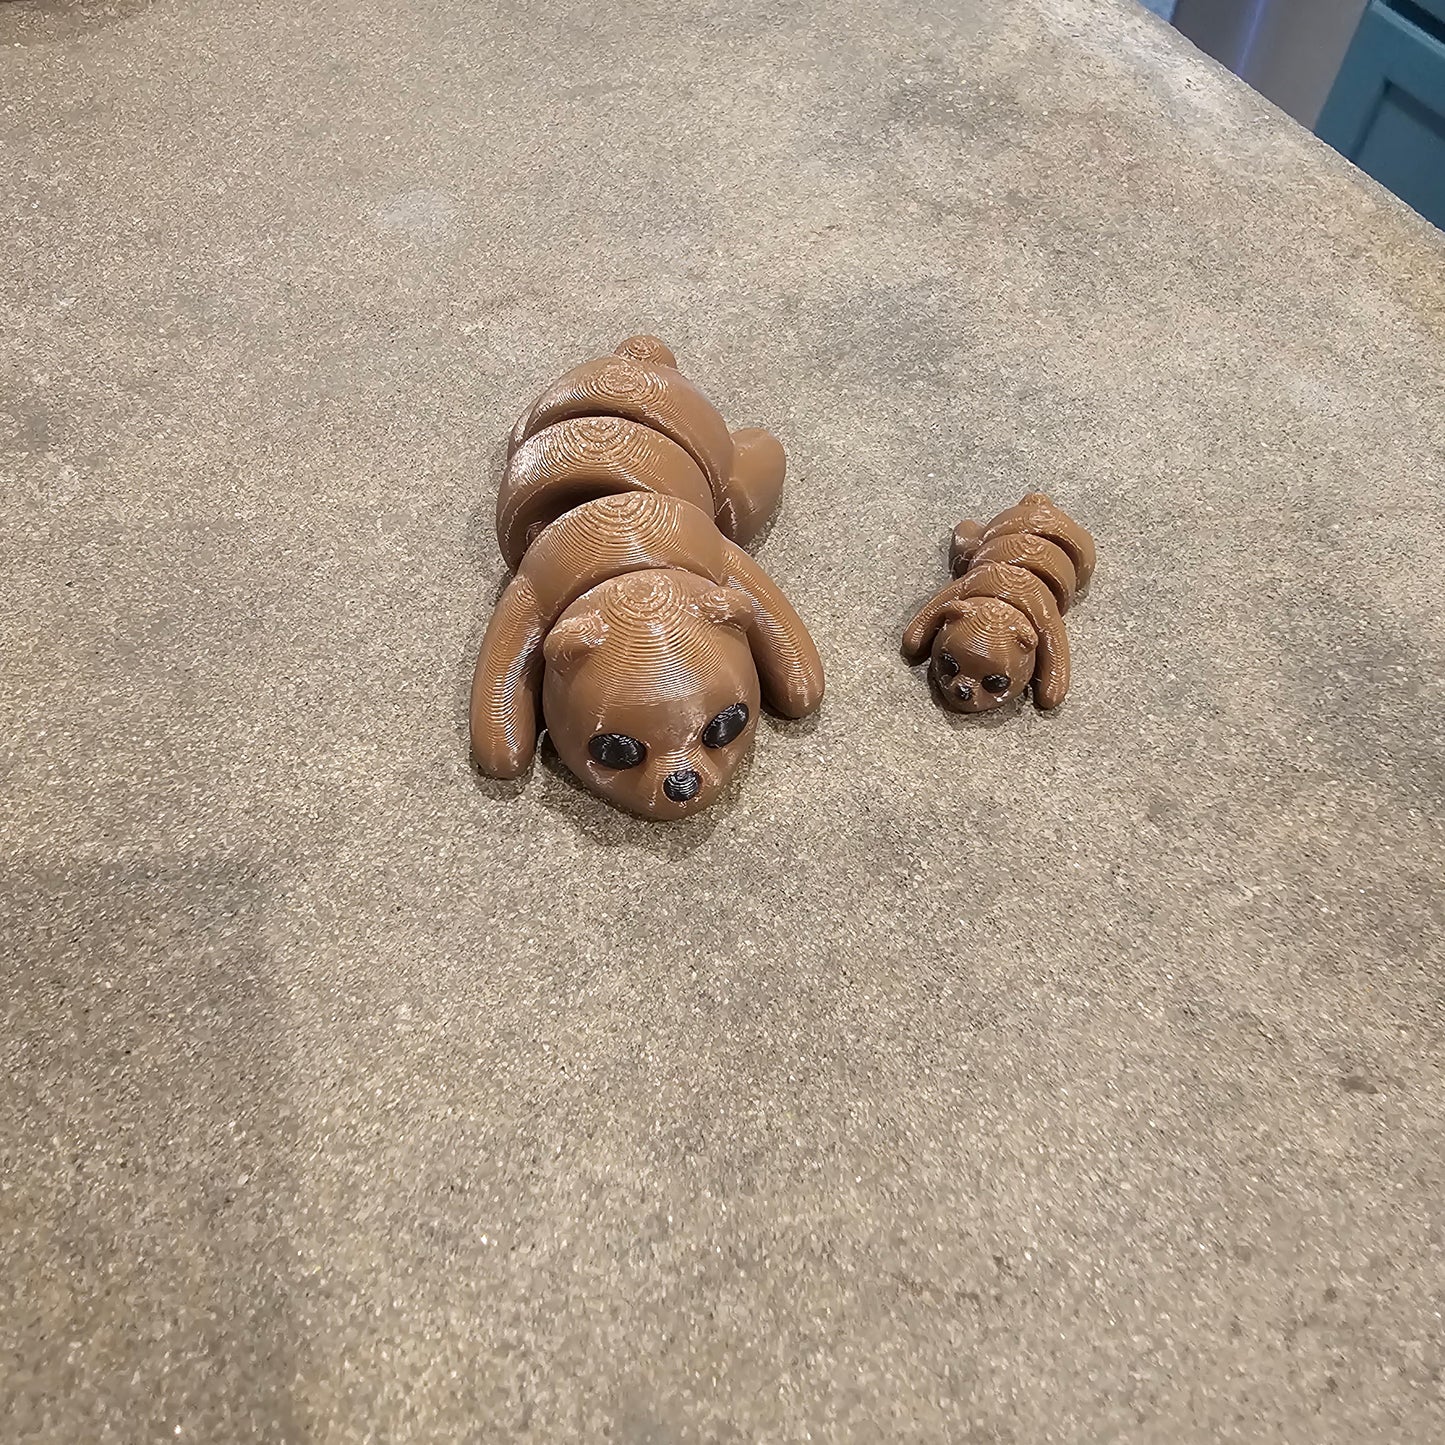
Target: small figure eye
{"x":726,"y":726}
{"x":616,"y":750}
{"x":947,"y":664}
{"x":996,"y":682}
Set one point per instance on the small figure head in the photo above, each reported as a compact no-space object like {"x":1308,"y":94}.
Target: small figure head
{"x":650,"y":692}
{"x":983,"y":655}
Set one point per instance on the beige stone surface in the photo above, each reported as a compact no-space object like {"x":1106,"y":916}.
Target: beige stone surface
{"x":1059,"y":1079}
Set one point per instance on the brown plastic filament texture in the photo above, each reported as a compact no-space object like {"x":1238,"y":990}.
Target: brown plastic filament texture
{"x":635,"y":628}
{"x":999,"y":625}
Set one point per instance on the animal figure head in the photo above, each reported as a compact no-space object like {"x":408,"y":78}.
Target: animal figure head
{"x":998,"y":627}
{"x":984,"y":654}
{"x":650,"y":692}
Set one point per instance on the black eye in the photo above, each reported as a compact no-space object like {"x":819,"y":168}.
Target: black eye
{"x":616,"y":750}
{"x":726,"y":726}
{"x":947,"y":664}
{"x":996,"y":682}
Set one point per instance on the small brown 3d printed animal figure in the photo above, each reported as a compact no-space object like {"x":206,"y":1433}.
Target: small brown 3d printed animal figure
{"x":1000,"y":625}
{"x":635,"y":620}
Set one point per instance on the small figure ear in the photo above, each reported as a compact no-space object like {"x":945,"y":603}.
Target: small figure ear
{"x":573,"y":638}
{"x":727,"y":607}
{"x":1024,"y":635}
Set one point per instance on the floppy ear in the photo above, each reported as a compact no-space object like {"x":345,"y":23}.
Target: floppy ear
{"x":727,"y":607}
{"x":919,"y":634}
{"x":506,"y":684}
{"x":573,"y":638}
{"x":789,"y":668}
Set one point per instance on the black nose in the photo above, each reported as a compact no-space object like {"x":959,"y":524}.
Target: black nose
{"x":963,"y":692}
{"x":682,"y":785}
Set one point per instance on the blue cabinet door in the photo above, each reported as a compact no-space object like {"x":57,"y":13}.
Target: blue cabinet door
{"x":1386,"y":111}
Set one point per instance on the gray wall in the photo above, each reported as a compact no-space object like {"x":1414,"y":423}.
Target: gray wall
{"x":1289,"y":50}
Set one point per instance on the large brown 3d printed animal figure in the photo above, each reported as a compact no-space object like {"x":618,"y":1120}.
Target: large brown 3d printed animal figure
{"x":1000,"y":625}
{"x":635,"y":620}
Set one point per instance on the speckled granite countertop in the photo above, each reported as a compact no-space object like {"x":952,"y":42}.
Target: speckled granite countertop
{"x":1068,"y":1079}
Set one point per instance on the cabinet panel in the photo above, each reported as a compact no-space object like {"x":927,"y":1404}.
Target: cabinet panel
{"x":1386,"y":111}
